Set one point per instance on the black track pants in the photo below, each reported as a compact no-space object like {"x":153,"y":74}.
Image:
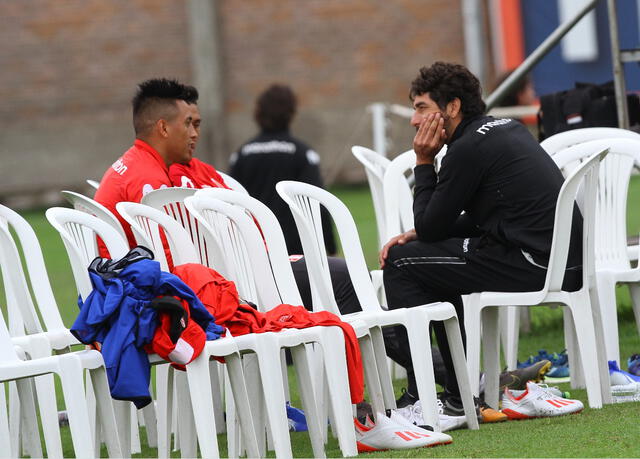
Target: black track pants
{"x":419,"y":273}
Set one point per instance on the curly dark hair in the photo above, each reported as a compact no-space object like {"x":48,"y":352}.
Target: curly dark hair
{"x":275,"y":108}
{"x":156,"y":99}
{"x":444,"y":82}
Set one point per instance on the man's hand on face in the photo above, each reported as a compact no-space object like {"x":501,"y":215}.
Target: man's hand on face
{"x":429,"y":139}
{"x":401,"y":239}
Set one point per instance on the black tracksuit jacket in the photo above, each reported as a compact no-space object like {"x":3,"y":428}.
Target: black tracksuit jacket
{"x":505,"y":183}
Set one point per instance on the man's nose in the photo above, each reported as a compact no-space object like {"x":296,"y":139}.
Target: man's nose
{"x":415,"y":120}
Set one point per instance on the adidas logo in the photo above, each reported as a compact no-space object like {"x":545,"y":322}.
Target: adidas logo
{"x":409,"y":435}
{"x":560,"y":402}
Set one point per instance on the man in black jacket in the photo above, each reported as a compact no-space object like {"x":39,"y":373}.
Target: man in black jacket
{"x":275,"y":155}
{"x":483,"y":222}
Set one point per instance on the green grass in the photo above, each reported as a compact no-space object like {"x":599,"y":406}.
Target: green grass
{"x":612,"y":431}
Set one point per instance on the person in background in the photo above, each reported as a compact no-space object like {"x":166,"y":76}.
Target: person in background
{"x":275,"y":155}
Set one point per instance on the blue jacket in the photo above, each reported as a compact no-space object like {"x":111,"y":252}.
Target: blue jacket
{"x":117,"y":315}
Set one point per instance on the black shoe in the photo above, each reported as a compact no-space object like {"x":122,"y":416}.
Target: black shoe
{"x":452,"y":405}
{"x":406,"y":399}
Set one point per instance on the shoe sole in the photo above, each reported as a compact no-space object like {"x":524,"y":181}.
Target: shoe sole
{"x":516,"y":416}
{"x":362,"y":448}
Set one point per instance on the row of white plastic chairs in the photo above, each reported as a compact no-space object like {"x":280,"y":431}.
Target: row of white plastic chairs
{"x":389,"y":187}
{"x":218,"y":232}
{"x":234,"y":246}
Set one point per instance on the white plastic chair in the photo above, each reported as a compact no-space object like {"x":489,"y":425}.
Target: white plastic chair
{"x":271,"y":241}
{"x":233,"y":183}
{"x":145,"y":222}
{"x":562,"y":140}
{"x":304,"y":201}
{"x":92,"y":207}
{"x":611,"y":261}
{"x":149,"y":419}
{"x":482,"y":307}
{"x":36,"y":338}
{"x":69,"y":367}
{"x":375,"y":166}
{"x":78,"y":231}
{"x":565,"y":139}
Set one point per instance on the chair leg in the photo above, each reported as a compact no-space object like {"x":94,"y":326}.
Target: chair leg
{"x":305,"y":385}
{"x":217,"y":384}
{"x":5,"y":437}
{"x":371,"y":375}
{"x":377,"y":340}
{"x":491,"y":354}
{"x":45,"y":388}
{"x":606,"y":288}
{"x":600,"y":358}
{"x":199,"y":381}
{"x":573,"y":351}
{"x":585,"y":333}
{"x":509,"y":332}
{"x":473,"y":327}
{"x":71,"y":375}
{"x":164,"y":411}
{"x":336,"y":372}
{"x":15,"y":422}
{"x":454,"y":337}
{"x":105,"y":411}
{"x":241,"y":403}
{"x":634,"y":290}
{"x":420,"y":345}
{"x":151,"y":422}
{"x":271,"y":375}
{"x":134,"y":433}
{"x":186,"y":427}
{"x":27,"y":420}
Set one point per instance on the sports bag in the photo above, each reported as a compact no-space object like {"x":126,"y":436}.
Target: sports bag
{"x":587,"y":105}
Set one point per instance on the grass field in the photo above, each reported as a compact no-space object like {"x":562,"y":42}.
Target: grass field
{"x":613,"y":431}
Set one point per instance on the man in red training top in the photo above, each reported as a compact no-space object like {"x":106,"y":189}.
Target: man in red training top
{"x":166,"y":122}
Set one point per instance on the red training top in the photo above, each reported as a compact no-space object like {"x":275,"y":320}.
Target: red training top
{"x":140,"y":170}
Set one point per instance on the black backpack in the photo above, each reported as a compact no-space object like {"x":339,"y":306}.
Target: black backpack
{"x":588,"y":105}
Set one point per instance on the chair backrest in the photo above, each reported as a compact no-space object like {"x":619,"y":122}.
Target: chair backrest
{"x":375,"y":166}
{"x":171,"y":202}
{"x":38,"y":278}
{"x":78,"y":231}
{"x":233,"y":183}
{"x":613,"y":186}
{"x":93,"y":183}
{"x":398,"y":197}
{"x":149,"y":225}
{"x":305,"y":200}
{"x":269,"y":239}
{"x":587,"y":172}
{"x":92,"y":207}
{"x":565,"y":139}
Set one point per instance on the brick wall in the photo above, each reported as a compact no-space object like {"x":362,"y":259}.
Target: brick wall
{"x":339,"y":56}
{"x":69,"y":68}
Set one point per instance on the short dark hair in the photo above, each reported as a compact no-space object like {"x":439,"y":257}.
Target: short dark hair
{"x":275,"y":108}
{"x":156,"y":99}
{"x":444,"y":82}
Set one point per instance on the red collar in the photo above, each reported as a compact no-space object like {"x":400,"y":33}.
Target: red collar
{"x":144,"y":146}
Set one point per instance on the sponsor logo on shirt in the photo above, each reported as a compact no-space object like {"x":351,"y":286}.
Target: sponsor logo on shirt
{"x":272,"y":146}
{"x":119,"y":167}
{"x":186,"y":182}
{"x":487,"y":126}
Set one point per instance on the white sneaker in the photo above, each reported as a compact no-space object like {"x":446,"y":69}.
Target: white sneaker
{"x":536,"y":402}
{"x":413,"y":414}
{"x":390,"y":434}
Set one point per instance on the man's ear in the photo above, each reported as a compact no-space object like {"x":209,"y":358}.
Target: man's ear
{"x":162,"y":128}
{"x":453,"y":107}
